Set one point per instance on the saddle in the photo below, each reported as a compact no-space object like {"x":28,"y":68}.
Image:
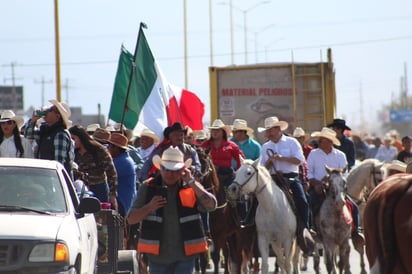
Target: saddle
{"x":304,"y":238}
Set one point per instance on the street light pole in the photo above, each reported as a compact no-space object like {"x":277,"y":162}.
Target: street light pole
{"x":231,"y":31}
{"x":211,"y":32}
{"x":185,"y":41}
{"x":256,"y":39}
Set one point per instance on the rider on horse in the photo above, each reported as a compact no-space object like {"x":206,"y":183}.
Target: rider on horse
{"x":327,"y":155}
{"x":282,"y":155}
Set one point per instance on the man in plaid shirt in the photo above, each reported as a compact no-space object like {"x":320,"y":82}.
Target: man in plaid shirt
{"x":53,"y":138}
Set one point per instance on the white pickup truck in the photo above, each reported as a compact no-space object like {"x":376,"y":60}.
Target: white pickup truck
{"x":44,"y":227}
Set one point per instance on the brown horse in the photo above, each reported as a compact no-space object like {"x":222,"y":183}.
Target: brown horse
{"x":235,"y":242}
{"x":388,"y":226}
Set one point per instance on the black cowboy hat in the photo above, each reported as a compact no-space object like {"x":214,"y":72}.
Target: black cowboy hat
{"x":175,"y":127}
{"x":339,"y":123}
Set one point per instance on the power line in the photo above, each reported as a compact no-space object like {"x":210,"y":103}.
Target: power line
{"x":200,"y":56}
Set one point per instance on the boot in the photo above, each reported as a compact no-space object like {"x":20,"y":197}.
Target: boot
{"x":358,"y":241}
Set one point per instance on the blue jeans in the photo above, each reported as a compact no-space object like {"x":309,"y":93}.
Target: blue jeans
{"x":299,"y":197}
{"x":179,"y":267}
{"x":101,"y":192}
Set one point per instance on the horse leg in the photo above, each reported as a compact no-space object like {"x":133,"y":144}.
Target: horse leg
{"x":304,"y":262}
{"x":329,"y":257}
{"x":344,"y":250}
{"x":362,"y":263}
{"x":203,"y":261}
{"x":264,"y":253}
{"x":316,"y":260}
{"x":216,"y":259}
{"x":296,"y":258}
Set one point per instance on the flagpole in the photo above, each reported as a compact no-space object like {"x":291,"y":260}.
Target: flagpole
{"x":132,"y":71}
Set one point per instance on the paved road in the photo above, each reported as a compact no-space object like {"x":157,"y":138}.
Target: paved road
{"x":354,"y":263}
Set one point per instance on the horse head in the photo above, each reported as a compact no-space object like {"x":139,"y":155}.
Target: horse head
{"x":208,"y":175}
{"x":246,"y":179}
{"x":364,"y":177}
{"x":336,"y":185}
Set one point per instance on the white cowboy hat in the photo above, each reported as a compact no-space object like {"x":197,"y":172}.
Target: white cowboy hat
{"x":218,"y":124}
{"x":63,"y":109}
{"x":273,"y":122}
{"x":328,"y":134}
{"x":200,"y":135}
{"x":7,"y":115}
{"x":172,"y":159}
{"x":299,"y":132}
{"x":92,"y":127}
{"x":240,"y":124}
{"x":397,"y":165}
{"x":148,"y":133}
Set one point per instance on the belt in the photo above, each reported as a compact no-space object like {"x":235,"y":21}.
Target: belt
{"x":290,"y":175}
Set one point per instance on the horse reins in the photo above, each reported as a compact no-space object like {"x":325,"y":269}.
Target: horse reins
{"x":248,"y":179}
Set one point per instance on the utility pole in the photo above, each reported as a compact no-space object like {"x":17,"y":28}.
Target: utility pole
{"x":43,"y":83}
{"x":66,"y":88}
{"x":13,"y":78}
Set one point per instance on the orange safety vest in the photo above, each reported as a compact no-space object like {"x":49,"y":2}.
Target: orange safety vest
{"x":191,"y":227}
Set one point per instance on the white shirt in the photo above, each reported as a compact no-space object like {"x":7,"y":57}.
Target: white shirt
{"x":386,"y":154}
{"x":317,"y":160}
{"x":286,"y":147}
{"x":8,"y":148}
{"x":145,"y":153}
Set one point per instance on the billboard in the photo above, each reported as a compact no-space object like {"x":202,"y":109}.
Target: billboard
{"x":11,"y":97}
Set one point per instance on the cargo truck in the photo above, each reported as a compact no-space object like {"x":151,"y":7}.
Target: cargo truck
{"x":303,"y":94}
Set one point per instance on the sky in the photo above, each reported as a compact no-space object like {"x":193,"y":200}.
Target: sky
{"x":371,"y":44}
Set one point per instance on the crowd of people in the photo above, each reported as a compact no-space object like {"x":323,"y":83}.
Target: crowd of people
{"x":151,"y":180}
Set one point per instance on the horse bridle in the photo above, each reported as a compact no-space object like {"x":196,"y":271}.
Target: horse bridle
{"x":249,"y":178}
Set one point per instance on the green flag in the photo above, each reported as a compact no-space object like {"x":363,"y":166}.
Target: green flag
{"x":121,"y":84}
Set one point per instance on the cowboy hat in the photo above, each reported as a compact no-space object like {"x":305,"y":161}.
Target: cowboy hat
{"x":409,"y":168}
{"x":240,"y":124}
{"x":328,"y":134}
{"x":101,"y":135}
{"x":175,"y":127}
{"x":92,"y":127}
{"x":7,"y":115}
{"x":118,"y":140}
{"x":172,"y":159}
{"x":200,"y":135}
{"x":218,"y":124}
{"x":397,"y":165}
{"x":63,"y":109}
{"x":273,"y":122}
{"x":339,"y":123}
{"x":299,"y":132}
{"x":148,"y":133}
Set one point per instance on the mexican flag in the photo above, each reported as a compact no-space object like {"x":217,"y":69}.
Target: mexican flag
{"x":143,"y":95}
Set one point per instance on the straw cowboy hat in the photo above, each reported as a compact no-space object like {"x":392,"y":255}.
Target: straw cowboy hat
{"x":299,"y":132}
{"x":64,"y":111}
{"x":92,"y":127}
{"x":339,"y":123}
{"x":240,"y":124}
{"x":148,"y":133}
{"x":7,"y":115}
{"x":273,"y":122}
{"x":102,"y":135}
{"x":328,"y":134}
{"x":409,"y":168}
{"x":397,"y":166}
{"x":118,"y":140}
{"x":172,"y":159}
{"x":200,"y":135}
{"x":218,"y":124}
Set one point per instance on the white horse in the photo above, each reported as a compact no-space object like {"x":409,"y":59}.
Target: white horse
{"x":275,"y":219}
{"x":334,"y":223}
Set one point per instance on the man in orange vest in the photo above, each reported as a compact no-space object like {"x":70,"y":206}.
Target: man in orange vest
{"x":168,"y":206}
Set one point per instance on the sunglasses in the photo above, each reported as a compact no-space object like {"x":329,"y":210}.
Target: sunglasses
{"x":53,"y":109}
{"x":165,"y":169}
{"x":9,"y":122}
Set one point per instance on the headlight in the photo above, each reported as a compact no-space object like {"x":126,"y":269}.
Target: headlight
{"x":49,"y":252}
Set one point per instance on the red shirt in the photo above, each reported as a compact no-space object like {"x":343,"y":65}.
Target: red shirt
{"x":223,"y":155}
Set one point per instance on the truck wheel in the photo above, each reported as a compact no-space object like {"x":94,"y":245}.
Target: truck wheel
{"x":127,"y":261}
